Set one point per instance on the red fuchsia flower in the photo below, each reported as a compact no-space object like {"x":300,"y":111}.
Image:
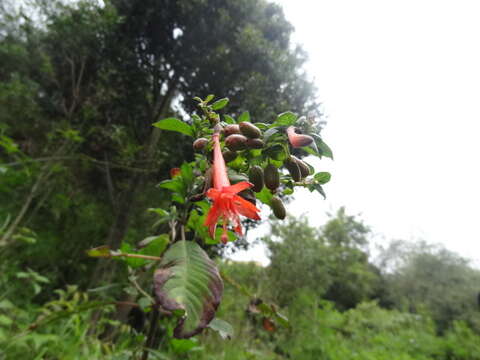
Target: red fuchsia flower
{"x":227,"y":205}
{"x":298,"y":140}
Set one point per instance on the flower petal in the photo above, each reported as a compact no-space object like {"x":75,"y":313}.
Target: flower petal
{"x":246,"y":208}
{"x":235,"y":189}
{"x":212,"y":218}
{"x":213,"y":193}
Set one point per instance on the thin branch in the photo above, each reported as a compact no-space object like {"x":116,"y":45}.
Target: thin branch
{"x":138,"y":256}
{"x":79,"y":157}
{"x":109,"y":181}
{"x":140,"y":290}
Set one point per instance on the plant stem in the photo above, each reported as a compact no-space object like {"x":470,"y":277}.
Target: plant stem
{"x":151,"y":333}
{"x":139,"y":256}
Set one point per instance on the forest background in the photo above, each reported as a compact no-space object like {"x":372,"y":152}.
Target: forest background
{"x":81,"y":85}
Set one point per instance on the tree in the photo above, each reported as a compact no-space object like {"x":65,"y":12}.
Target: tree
{"x":87,"y":81}
{"x":328,"y":261}
{"x":428,"y":278}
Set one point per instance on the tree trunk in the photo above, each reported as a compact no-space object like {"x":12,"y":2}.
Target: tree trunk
{"x":126,"y":205}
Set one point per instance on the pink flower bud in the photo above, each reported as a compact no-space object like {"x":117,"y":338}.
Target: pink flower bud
{"x":298,"y":140}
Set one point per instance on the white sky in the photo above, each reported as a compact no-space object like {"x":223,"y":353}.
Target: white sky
{"x":400,"y":87}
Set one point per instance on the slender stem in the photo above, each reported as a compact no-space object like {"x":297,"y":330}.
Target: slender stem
{"x":235,"y":284}
{"x":139,"y":256}
{"x":139,"y":288}
{"x":151,"y":333}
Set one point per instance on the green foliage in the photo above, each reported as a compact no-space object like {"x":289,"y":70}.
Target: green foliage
{"x":174,"y":124}
{"x":328,"y":262}
{"x":430,"y":279}
{"x":80,"y":86}
{"x":188,"y":284}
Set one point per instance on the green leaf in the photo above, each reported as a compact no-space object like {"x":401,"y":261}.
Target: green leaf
{"x":188,"y":280}
{"x":317,"y":187}
{"x":224,"y":328}
{"x":269,"y":133}
{"x":209,"y":98}
{"x":218,"y":235}
{"x":322,"y":148}
{"x":265,"y":196}
{"x":228,"y":119}
{"x":152,"y":246}
{"x":174,"y":124}
{"x":173,"y":184}
{"x":100,"y":252}
{"x":285,"y":119}
{"x":144,"y":302}
{"x":161,"y":212}
{"x":182,"y":346}
{"x":219,"y":104}
{"x":322,"y":177}
{"x":186,"y":172}
{"x":261,"y":126}
{"x":245,"y":116}
{"x":276,"y":152}
{"x":155,"y":245}
{"x":5,"y":321}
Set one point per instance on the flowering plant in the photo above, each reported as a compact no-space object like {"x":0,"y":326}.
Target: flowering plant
{"x":238,"y":165}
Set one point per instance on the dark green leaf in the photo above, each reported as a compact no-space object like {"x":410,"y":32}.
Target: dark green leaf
{"x":174,"y":124}
{"x":219,"y":104}
{"x":188,"y":280}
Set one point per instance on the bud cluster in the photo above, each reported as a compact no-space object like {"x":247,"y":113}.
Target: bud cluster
{"x":258,"y":153}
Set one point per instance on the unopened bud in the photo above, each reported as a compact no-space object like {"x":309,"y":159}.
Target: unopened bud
{"x":224,"y":238}
{"x":231,"y":129}
{"x":278,"y":208}
{"x":229,"y":155}
{"x":199,"y":144}
{"x":271,"y":177}
{"x":236,"y":142}
{"x":249,"y":130}
{"x":255,"y":176}
{"x":298,"y":140}
{"x":304,"y":169}
{"x":255,"y":144}
{"x":293,"y":168}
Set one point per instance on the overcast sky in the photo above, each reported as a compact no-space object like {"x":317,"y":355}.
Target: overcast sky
{"x":400,"y":87}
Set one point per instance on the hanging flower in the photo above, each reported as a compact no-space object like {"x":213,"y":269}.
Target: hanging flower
{"x":298,"y":140}
{"x":227,"y":205}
